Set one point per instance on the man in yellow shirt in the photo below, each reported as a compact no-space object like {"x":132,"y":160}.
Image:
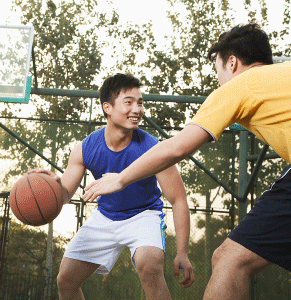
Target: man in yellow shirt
{"x":256,"y":94}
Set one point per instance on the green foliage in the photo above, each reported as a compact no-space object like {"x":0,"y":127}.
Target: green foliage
{"x":277,"y":38}
{"x":71,"y":41}
{"x":26,"y":250}
{"x":182,"y":68}
{"x":49,"y":138}
{"x":68,"y":54}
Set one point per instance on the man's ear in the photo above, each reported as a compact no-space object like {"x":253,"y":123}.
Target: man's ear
{"x":106,"y":107}
{"x":233,"y":63}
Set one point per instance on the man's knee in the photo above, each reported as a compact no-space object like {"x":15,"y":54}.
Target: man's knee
{"x":233,"y":256}
{"x":149,"y":271}
{"x":229,"y":256}
{"x":63,"y":280}
{"x":220,"y":255}
{"x":150,"y":268}
{"x":66,"y":280}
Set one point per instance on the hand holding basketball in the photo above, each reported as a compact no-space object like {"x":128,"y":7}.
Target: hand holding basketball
{"x":43,"y":171}
{"x":36,"y":198}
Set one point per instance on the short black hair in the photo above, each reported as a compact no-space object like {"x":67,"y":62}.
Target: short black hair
{"x":248,"y":43}
{"x":113,"y":85}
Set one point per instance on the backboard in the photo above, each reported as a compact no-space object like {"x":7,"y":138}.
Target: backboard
{"x":15,"y":54}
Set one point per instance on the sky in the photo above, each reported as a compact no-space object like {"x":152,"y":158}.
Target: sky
{"x":138,"y":12}
{"x":142,"y":11}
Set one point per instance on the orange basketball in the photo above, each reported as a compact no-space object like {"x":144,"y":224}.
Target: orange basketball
{"x":36,"y":199}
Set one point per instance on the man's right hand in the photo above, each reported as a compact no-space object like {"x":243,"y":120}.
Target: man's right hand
{"x":55,"y":177}
{"x":43,"y":171}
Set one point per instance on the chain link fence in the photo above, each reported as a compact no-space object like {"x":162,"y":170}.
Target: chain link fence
{"x":214,"y":212}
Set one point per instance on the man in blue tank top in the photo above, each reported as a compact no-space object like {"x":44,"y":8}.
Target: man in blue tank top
{"x":132,"y":217}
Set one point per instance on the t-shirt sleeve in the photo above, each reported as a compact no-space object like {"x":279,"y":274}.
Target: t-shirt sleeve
{"x":223,"y":107}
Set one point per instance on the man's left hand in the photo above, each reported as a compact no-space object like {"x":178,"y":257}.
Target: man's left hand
{"x":183,"y":263}
{"x":108,"y":184}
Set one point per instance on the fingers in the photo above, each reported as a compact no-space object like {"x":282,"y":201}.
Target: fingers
{"x":176,"y":270}
{"x":39,"y":171}
{"x":90,"y":196}
{"x":91,"y":192}
{"x":43,"y":171}
{"x":188,"y":278}
{"x":88,"y":187}
{"x":107,"y":184}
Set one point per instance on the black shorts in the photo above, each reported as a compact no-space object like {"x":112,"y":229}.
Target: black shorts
{"x":266,"y":229}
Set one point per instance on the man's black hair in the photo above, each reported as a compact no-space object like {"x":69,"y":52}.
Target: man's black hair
{"x":113,"y":85}
{"x":248,"y":43}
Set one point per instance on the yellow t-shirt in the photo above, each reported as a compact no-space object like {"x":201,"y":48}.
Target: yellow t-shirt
{"x":259,"y":99}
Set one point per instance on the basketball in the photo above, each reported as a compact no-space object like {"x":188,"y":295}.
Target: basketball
{"x":36,"y":199}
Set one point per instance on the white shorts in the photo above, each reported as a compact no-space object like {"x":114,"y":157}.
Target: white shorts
{"x":101,"y":240}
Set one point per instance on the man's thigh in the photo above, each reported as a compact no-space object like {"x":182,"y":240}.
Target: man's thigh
{"x":266,"y":228}
{"x":234,"y":256}
{"x":76,"y":271}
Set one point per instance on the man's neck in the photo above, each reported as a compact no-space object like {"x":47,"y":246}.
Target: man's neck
{"x":244,"y":68}
{"x":117,"y":138}
{"x":256,"y":64}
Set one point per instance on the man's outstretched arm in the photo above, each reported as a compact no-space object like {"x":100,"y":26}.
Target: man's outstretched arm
{"x":157,"y":159}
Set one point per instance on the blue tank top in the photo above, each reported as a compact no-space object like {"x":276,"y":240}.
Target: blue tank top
{"x":136,"y":197}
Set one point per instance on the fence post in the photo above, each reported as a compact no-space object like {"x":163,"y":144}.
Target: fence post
{"x":242,"y":206}
{"x":3,"y":237}
{"x":49,"y":263}
{"x":243,"y":183}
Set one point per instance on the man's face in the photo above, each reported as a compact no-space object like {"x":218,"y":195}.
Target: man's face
{"x":224,"y":73}
{"x":127,"y":110}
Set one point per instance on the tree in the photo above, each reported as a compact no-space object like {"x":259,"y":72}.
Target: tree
{"x":25,"y":261}
{"x":68,"y":54}
{"x":183,"y":69}
{"x":26,"y":250}
{"x":179,"y":68}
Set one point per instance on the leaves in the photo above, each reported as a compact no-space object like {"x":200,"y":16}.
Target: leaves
{"x":26,"y":250}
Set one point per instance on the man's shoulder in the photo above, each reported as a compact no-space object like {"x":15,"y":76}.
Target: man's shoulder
{"x":93,"y":139}
{"x":145,"y":136}
{"x":95,"y":134}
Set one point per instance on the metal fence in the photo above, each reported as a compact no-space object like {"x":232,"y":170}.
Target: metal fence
{"x":216,"y":179}
{"x":21,"y":286}
{"x":122,"y":283}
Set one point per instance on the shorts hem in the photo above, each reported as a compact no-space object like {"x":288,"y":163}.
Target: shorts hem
{"x":103,"y":271}
{"x":258,"y":251}
{"x":147,"y":245}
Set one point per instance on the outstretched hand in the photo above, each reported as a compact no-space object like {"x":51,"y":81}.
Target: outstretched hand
{"x":183,"y":263}
{"x":108,"y":184}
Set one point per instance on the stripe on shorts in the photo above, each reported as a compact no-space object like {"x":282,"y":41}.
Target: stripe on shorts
{"x":163,"y":227}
